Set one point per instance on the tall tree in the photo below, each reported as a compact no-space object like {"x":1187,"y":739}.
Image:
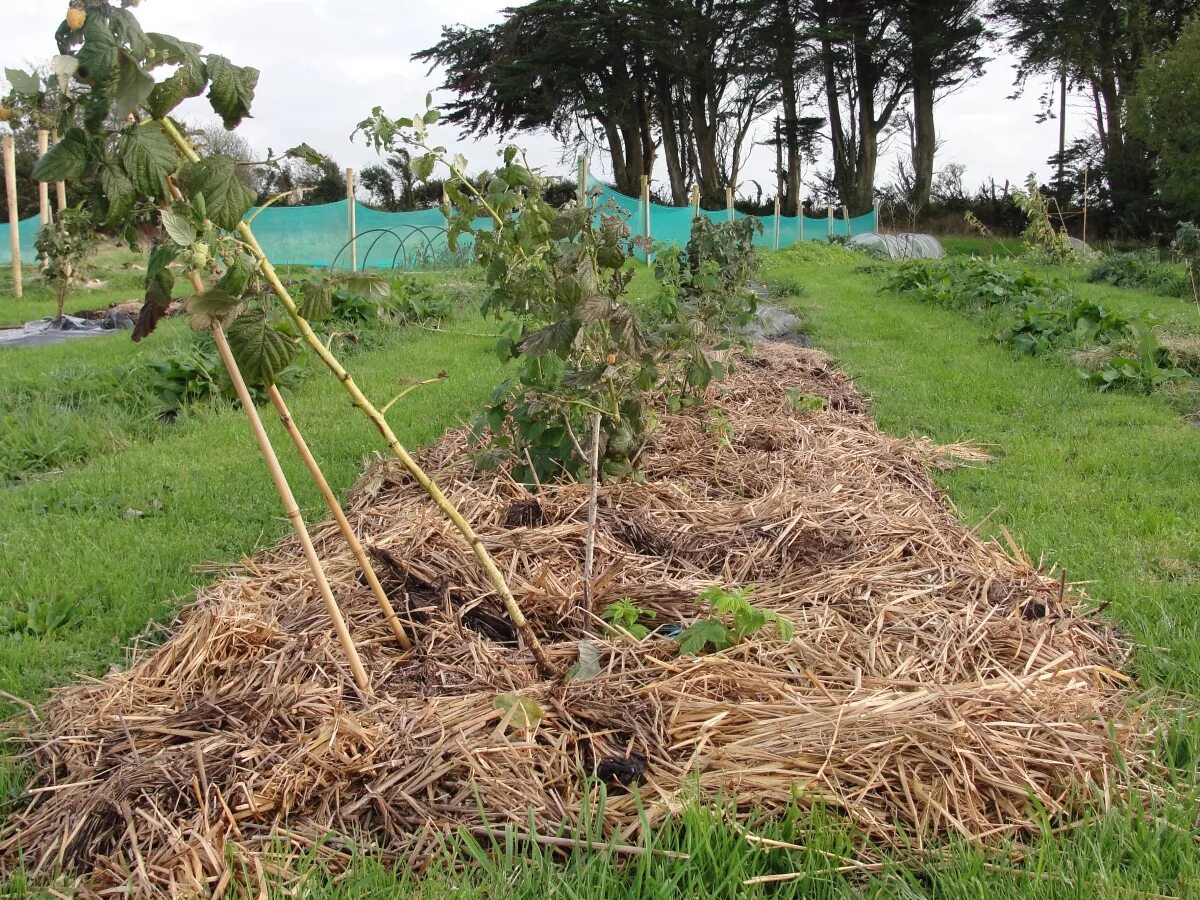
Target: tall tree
{"x":943,"y":39}
{"x":1165,"y":116}
{"x":858,"y":60}
{"x":1101,"y":45}
{"x":570,"y":67}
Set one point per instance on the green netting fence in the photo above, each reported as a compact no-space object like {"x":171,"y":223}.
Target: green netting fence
{"x":320,"y":235}
{"x":28,"y":230}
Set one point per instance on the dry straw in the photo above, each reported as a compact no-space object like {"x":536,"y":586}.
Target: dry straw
{"x":936,"y":683}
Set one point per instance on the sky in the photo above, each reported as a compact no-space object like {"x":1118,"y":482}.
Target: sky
{"x":326,"y":63}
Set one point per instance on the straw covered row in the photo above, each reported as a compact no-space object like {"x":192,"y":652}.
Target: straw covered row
{"x":936,"y":683}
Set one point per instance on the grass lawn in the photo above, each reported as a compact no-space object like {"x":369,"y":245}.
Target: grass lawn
{"x":1103,"y":485}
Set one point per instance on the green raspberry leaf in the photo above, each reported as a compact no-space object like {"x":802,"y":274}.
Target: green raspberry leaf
{"x":119,"y":192}
{"x":66,"y":160}
{"x":226,"y":199}
{"x":148,"y":157}
{"x":160,"y":282}
{"x":702,"y":634}
{"x":261,"y":350}
{"x":232,"y":90}
{"x":98,"y":55}
{"x":133,"y":86}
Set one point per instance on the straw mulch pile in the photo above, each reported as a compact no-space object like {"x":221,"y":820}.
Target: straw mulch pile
{"x":936,"y":683}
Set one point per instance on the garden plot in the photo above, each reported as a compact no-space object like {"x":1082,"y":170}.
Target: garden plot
{"x":934,"y":683}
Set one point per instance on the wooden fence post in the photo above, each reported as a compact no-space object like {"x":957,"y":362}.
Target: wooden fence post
{"x":846,"y":216}
{"x":352,"y":219}
{"x":777,"y":223}
{"x":43,"y":187}
{"x":10,"y":183}
{"x":729,"y":202}
{"x":1086,"y":169}
{"x":583,"y":174}
{"x":831,"y":220}
{"x":695,"y":200}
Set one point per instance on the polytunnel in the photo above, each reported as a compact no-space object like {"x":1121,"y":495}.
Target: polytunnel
{"x":899,"y":246}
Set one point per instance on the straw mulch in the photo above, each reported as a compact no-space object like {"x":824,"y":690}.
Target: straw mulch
{"x":936,"y":683}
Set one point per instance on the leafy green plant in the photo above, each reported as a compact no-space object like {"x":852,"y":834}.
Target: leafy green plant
{"x":63,"y":245}
{"x":1187,"y":247}
{"x":973,"y":284}
{"x":557,"y":280}
{"x":39,"y":618}
{"x":1042,"y":240}
{"x":1041,"y":326}
{"x":804,"y":402}
{"x":1144,"y":270}
{"x":704,"y":301}
{"x":731,"y":621}
{"x":1151,"y":367}
{"x":626,"y":615}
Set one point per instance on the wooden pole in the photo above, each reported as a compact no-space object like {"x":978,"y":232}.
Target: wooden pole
{"x":291,"y":509}
{"x":695,"y":200}
{"x":831,"y":220}
{"x":352,"y":219}
{"x":583,"y":174}
{"x":846,"y":216}
{"x":60,"y":188}
{"x":356,"y":547}
{"x":777,"y":222}
{"x":14,"y":231}
{"x":43,"y":187}
{"x":729,"y":202}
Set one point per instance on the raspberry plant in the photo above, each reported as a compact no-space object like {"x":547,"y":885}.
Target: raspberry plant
{"x":118,"y":87}
{"x":63,"y":245}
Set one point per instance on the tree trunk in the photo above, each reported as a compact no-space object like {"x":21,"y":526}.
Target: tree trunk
{"x":786,"y":26}
{"x":670,"y":143}
{"x":925,"y":133}
{"x":705,"y":132}
{"x":616,"y":150}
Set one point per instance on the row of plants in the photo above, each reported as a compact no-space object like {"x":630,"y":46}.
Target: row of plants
{"x":1147,"y":269}
{"x":1036,"y":315}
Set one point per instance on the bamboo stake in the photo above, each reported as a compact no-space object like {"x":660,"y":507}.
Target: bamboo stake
{"x":290,"y":507}
{"x":14,"y":232}
{"x":356,"y":547}
{"x":352,"y":220}
{"x":589,"y":553}
{"x":360,"y":401}
{"x":43,"y":188}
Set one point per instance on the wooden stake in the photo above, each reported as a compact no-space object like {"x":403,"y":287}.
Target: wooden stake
{"x":589,"y":554}
{"x":695,"y":200}
{"x":729,"y":202}
{"x":14,"y":231}
{"x":356,"y":547}
{"x":43,"y":187}
{"x":846,"y":216}
{"x":291,"y":509}
{"x":352,"y":219}
{"x":777,"y":223}
{"x":831,"y":220}
{"x":581,"y":192}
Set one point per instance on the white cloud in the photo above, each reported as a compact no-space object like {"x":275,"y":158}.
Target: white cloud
{"x":326,"y":63}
